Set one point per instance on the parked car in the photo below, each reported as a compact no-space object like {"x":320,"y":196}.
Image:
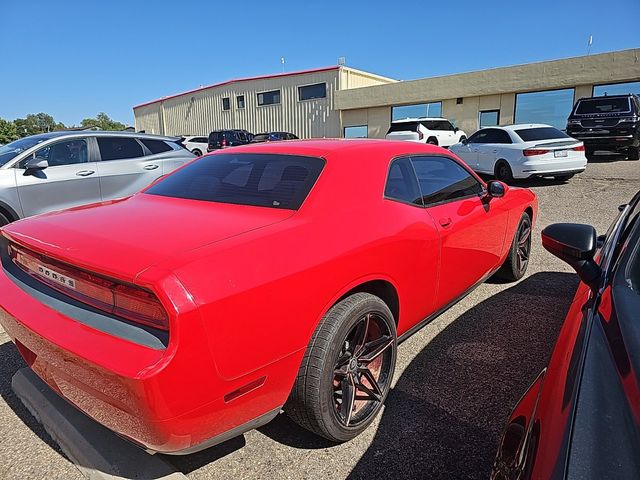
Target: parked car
{"x":579,"y":419}
{"x":435,"y":131}
{"x":607,"y":123}
{"x":273,"y":137}
{"x":228,"y":138}
{"x":282,"y":298}
{"x":523,"y":151}
{"x":196,"y":145}
{"x":57,"y":170}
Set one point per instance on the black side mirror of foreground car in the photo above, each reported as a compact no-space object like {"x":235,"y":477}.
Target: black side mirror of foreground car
{"x":35,"y":164}
{"x":496,"y":189}
{"x":575,"y":244}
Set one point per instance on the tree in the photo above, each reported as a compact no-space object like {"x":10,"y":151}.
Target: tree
{"x":38,"y":123}
{"x":103,"y":122}
{"x":8,"y":131}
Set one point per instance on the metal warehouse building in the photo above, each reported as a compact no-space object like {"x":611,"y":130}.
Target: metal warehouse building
{"x":298,"y":102}
{"x":341,"y":101}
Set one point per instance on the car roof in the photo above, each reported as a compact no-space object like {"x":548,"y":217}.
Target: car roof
{"x":622,"y":95}
{"x":99,"y":133}
{"x":521,"y":126}
{"x":418,"y":119}
{"x":329,"y":147}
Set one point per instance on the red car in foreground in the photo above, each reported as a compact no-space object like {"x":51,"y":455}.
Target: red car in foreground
{"x":269,"y":276}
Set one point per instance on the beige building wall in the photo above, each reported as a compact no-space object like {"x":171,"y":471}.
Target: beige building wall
{"x":200,"y":111}
{"x":493,"y":89}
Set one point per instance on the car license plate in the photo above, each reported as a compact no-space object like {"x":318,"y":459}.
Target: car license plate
{"x":560,"y":153}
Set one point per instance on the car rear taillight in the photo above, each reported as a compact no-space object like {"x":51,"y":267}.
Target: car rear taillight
{"x":223,"y":143}
{"x":530,"y":152}
{"x":126,"y":301}
{"x":579,"y":148}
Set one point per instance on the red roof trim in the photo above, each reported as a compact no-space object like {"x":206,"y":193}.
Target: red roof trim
{"x":245,"y":79}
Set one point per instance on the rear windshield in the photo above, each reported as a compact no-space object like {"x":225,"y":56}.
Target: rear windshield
{"x":258,"y":179}
{"x":540,"y":133}
{"x":404,"y":127}
{"x":603,"y":105}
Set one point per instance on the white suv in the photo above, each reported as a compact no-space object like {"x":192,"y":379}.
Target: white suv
{"x":436,"y":131}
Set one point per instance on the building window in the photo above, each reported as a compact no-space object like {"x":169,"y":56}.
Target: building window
{"x":359,"y":131}
{"x":459,"y":101}
{"x":269,"y":98}
{"x":616,"y":89}
{"x":489,"y":118}
{"x":551,"y":107}
{"x":433,"y":109}
{"x":309,"y":92}
{"x":240,"y":101}
{"x":226,"y":104}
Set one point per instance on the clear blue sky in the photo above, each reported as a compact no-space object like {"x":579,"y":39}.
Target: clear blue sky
{"x":73,"y":59}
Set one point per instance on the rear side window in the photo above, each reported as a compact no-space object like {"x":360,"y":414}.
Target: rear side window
{"x":263,"y":180}
{"x":404,"y":127}
{"x":442,"y":179}
{"x":156,"y":146}
{"x":540,"y":133}
{"x":199,"y":140}
{"x":603,"y":105}
{"x":119,"y":148}
{"x":401,"y":183}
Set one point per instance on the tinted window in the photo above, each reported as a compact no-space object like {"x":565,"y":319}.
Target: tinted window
{"x":156,"y":146}
{"x":490,"y":118}
{"x":442,"y":179}
{"x":265,"y":180}
{"x":360,"y":131}
{"x":261,"y":137}
{"x":494,"y":135}
{"x":319,"y":90}
{"x":118,"y":148}
{"x":403,"y":127}
{"x":551,"y":107}
{"x":65,"y":153}
{"x":269,"y":98}
{"x":240,"y":101}
{"x":226,"y":104}
{"x":11,"y":150}
{"x":433,"y":109}
{"x":481,"y":136}
{"x":198,"y":140}
{"x":540,"y":133}
{"x":603,"y":105}
{"x":401,"y":183}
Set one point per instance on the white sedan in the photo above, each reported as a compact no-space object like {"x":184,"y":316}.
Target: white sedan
{"x":196,"y":145}
{"x":523,"y":151}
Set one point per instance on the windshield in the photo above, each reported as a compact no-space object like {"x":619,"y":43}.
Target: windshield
{"x":540,"y":133}
{"x":258,"y":179}
{"x":11,"y":150}
{"x":603,"y":105}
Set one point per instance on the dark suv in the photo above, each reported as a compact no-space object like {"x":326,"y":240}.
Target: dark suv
{"x":607,"y":123}
{"x":228,"y":138}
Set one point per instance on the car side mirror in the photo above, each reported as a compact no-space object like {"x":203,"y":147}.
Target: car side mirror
{"x":35,"y":164}
{"x":464,"y":141}
{"x":496,"y":189}
{"x":575,"y":244}
{"x":455,"y":129}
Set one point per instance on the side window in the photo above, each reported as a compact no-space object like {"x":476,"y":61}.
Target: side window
{"x":155,"y":146}
{"x":442,"y":179}
{"x":401,"y":183}
{"x":500,"y":136}
{"x":200,"y":140}
{"x":119,"y":148}
{"x":65,"y":153}
{"x":479,"y":137}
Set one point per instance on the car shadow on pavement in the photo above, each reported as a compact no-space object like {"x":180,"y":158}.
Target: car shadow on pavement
{"x":444,"y":417}
{"x":10,"y":363}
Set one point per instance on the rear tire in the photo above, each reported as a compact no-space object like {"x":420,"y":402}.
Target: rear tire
{"x":516,"y":263}
{"x":503,"y":172}
{"x":633,"y":153}
{"x":196,"y":152}
{"x":432,"y":141}
{"x":354,"y":342}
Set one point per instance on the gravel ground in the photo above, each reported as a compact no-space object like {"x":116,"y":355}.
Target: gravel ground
{"x":455,"y":384}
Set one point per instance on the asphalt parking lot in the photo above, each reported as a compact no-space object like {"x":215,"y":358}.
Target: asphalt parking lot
{"x":456,"y":380}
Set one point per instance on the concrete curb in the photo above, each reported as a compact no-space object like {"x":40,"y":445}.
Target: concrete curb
{"x":95,"y":450}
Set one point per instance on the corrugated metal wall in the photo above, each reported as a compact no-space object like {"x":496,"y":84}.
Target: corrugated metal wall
{"x":200,"y":112}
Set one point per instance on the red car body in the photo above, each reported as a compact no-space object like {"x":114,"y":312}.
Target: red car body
{"x":243,"y":288}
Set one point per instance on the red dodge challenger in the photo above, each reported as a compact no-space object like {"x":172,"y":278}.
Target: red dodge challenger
{"x":255,"y":279}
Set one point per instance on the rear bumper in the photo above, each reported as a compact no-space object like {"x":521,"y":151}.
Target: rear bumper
{"x":541,"y":168}
{"x":168,"y":400}
{"x":611,"y":142}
